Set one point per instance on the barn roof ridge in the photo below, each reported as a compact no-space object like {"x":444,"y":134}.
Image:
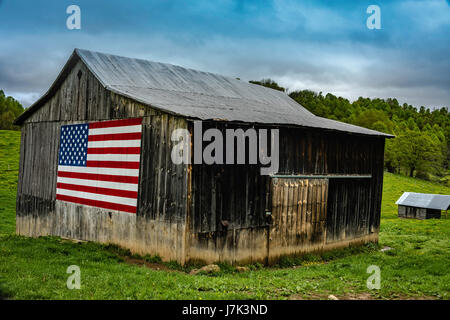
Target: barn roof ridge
{"x":81,"y":51}
{"x":193,"y":94}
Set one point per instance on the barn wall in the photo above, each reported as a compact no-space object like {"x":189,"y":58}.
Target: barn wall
{"x":229,"y":201}
{"x":412,"y":212}
{"x":159,"y":225}
{"x":418,"y":213}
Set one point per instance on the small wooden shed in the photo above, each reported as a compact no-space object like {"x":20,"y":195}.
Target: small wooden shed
{"x":422,"y":205}
{"x":326,"y":193}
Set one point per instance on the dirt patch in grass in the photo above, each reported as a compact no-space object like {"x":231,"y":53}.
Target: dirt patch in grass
{"x":405,"y":297}
{"x":150,"y":265}
{"x":307,"y":297}
{"x":357,"y":296}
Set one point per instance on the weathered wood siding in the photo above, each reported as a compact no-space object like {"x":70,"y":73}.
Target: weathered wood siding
{"x":299,"y":216}
{"x":163,"y":190}
{"x":159,"y":225}
{"x":226,"y":214}
{"x":229,"y":201}
{"x":412,"y":212}
{"x":418,"y":213}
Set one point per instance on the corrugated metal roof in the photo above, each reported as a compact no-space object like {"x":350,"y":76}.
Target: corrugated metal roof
{"x":201,"y":95}
{"x":424,"y":200}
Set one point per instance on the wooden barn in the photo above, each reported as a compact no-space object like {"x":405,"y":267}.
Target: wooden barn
{"x":422,"y":205}
{"x":325,"y":193}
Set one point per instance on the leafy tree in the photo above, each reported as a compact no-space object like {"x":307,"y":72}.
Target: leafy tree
{"x":10,"y":109}
{"x":268,"y":83}
{"x":419,"y":151}
{"x":374,"y":119}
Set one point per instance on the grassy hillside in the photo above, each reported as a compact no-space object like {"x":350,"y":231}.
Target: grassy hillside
{"x":417,"y":267}
{"x":394,"y":185}
{"x":9,"y":164}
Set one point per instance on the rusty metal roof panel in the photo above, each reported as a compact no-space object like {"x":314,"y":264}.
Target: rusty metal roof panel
{"x":424,"y":200}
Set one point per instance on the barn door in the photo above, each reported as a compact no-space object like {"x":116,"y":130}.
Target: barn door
{"x":299,"y":215}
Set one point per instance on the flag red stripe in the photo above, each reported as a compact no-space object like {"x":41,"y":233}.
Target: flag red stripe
{"x":97,"y":203}
{"x":101,"y":177}
{"x":115,"y":123}
{"x":98,"y":190}
{"x":115,"y":136}
{"x":113,"y":164}
{"x":116,"y":150}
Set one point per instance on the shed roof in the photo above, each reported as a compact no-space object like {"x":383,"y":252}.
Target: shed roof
{"x":195,"y":94}
{"x":424,"y":200}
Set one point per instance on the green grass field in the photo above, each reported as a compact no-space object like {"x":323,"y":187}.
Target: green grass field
{"x":417,"y":267}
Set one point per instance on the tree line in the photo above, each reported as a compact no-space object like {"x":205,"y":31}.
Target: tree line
{"x":421,"y":145}
{"x":10,"y":109}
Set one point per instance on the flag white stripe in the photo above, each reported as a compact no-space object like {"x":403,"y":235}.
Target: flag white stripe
{"x":111,"y":130}
{"x":113,"y":157}
{"x":114,"y":143}
{"x":108,"y":171}
{"x":100,"y":184}
{"x":99,"y":197}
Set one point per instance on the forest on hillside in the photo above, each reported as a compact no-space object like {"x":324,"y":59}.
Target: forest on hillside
{"x":421,"y":145}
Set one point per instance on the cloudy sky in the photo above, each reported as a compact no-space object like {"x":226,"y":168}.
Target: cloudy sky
{"x":318,"y":45}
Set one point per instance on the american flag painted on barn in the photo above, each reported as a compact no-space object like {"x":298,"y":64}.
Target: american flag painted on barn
{"x":99,"y":164}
